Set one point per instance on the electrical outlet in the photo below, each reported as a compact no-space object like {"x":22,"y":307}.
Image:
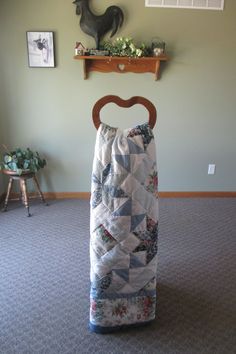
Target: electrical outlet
{"x":211,"y":169}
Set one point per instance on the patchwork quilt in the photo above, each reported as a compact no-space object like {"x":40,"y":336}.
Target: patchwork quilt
{"x":123,"y":228}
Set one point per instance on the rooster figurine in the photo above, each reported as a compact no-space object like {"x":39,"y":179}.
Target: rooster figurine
{"x":98,"y":26}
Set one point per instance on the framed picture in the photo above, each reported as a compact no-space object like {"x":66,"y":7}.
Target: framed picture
{"x":40,"y":47}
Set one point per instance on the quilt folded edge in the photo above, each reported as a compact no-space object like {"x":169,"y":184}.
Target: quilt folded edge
{"x":106,"y":330}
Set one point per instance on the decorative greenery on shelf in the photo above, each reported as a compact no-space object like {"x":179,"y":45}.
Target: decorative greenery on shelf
{"x":126,"y":47}
{"x":20,"y":160}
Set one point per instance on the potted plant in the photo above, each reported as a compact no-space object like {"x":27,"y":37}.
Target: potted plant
{"x":21,"y":161}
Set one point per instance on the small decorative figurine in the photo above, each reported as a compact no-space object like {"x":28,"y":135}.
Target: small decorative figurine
{"x":79,"y":49}
{"x":96,"y":52}
{"x":98,"y":26}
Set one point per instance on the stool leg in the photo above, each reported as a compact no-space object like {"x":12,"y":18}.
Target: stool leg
{"x":21,"y":195}
{"x":9,"y":187}
{"x":39,"y":190}
{"x":24,"y":194}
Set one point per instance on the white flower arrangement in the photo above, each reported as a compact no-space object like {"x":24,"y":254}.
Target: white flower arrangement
{"x":125,"y":47}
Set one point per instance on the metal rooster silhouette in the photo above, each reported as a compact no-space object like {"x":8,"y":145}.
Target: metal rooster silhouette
{"x":98,"y":26}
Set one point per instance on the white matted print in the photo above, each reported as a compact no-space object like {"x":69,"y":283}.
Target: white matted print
{"x":40,"y":49}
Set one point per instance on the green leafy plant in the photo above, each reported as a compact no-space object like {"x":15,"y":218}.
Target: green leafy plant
{"x":20,"y":160}
{"x":125,"y":47}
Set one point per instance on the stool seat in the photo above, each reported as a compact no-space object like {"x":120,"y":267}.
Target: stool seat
{"x":22,"y":178}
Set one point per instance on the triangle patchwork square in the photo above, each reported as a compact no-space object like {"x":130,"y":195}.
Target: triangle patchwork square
{"x":124,"y":210}
{"x":136,"y":220}
{"x":122,"y":273}
{"x":135,"y":262}
{"x":124,"y":161}
{"x":134,"y":149}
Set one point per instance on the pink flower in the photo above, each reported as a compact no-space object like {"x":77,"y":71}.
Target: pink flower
{"x":93,"y":306}
{"x":119,"y":310}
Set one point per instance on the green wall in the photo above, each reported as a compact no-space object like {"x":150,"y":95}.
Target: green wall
{"x":1,"y":124}
{"x":50,"y":109}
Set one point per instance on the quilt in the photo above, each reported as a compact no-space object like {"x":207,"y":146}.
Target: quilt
{"x":123,"y":228}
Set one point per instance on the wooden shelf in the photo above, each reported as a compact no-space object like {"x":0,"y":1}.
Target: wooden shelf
{"x":107,"y":64}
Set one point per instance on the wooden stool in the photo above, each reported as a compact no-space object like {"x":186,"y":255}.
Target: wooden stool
{"x":23,"y":189}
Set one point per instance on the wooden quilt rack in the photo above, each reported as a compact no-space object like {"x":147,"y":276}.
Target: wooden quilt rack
{"x":126,"y":104}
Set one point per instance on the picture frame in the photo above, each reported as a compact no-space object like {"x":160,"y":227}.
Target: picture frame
{"x":40,"y":47}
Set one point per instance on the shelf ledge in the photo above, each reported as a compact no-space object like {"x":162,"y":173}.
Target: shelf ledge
{"x":107,"y":64}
